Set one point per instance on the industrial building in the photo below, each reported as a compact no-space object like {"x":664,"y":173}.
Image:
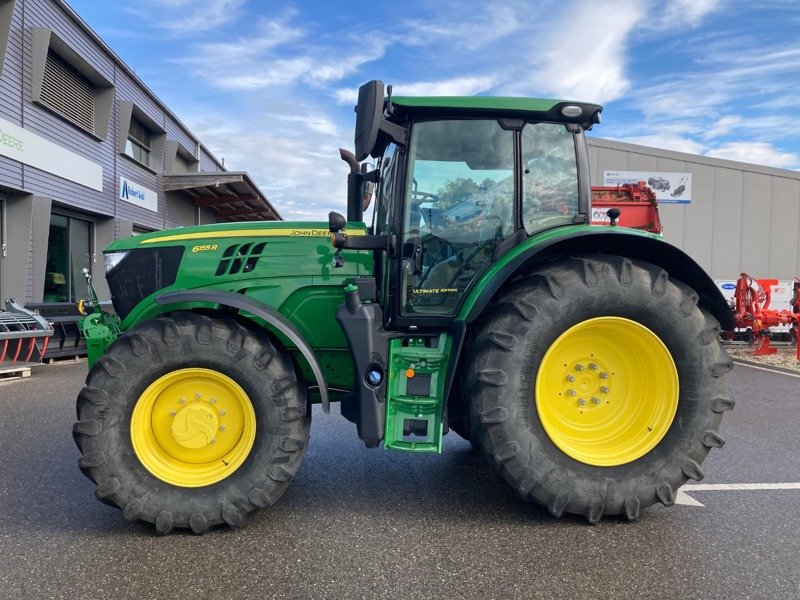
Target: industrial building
{"x":88,"y":154}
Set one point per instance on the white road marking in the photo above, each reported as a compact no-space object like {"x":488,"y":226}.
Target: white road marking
{"x":742,"y":364}
{"x":683,"y":497}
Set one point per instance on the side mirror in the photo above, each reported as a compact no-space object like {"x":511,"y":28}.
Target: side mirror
{"x":369,"y":111}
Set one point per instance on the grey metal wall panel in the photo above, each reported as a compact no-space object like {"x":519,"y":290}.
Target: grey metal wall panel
{"x":642,"y":162}
{"x":208,"y":163}
{"x":784,"y":222}
{"x":11,"y":81}
{"x":180,"y":211}
{"x":179,"y":134}
{"x":10,"y":173}
{"x":754,"y":234}
{"x":698,"y":223}
{"x":725,"y":247}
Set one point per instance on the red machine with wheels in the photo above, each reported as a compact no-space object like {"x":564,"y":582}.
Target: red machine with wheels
{"x":752,"y":298}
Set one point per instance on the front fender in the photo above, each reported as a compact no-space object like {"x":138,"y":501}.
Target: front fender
{"x":267,"y":313}
{"x":586,"y":239}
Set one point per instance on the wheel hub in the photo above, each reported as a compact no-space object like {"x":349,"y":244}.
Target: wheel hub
{"x":193,"y":427}
{"x":607,"y":391}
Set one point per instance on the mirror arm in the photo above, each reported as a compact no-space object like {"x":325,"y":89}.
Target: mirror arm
{"x":394,"y":131}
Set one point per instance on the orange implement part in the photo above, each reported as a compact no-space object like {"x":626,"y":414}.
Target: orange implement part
{"x":637,"y":204}
{"x":764,"y":348}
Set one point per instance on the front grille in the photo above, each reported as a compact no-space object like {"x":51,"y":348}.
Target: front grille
{"x":141,"y":273}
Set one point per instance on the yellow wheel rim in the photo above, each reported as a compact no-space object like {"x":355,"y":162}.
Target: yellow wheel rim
{"x":607,"y":391}
{"x":193,"y":427}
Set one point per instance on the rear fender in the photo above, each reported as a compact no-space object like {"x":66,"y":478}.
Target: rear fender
{"x":275,"y":321}
{"x":587,"y":240}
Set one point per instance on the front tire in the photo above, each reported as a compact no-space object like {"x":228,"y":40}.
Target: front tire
{"x":190,"y":421}
{"x":595,"y":387}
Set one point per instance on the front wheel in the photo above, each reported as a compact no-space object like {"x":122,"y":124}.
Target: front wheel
{"x":190,"y":421}
{"x":597,"y":386}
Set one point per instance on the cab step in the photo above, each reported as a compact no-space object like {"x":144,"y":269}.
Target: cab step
{"x":417,"y":371}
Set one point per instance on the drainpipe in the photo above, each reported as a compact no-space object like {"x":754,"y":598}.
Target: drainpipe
{"x":3,"y":231}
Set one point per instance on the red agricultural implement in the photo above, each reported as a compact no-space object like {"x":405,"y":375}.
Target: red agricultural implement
{"x":752,"y":312}
{"x":636,"y":202}
{"x":24,"y":335}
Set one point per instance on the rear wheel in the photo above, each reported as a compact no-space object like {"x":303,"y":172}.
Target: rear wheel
{"x":596,"y":387}
{"x":190,"y":421}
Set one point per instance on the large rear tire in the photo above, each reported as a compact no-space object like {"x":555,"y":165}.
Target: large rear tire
{"x":190,"y":421}
{"x":595,"y":386}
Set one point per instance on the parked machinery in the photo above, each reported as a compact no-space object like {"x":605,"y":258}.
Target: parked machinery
{"x":24,"y":335}
{"x":752,"y":311}
{"x":636,"y":202}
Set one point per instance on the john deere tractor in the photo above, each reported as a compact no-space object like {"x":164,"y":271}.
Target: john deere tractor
{"x":582,"y":361}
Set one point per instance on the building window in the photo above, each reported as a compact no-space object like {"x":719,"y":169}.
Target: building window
{"x":141,"y":138}
{"x":182,"y":165}
{"x":67,"y":92}
{"x":66,"y":84}
{"x":137,"y":146}
{"x":69,"y":251}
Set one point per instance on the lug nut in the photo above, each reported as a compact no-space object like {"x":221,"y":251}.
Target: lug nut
{"x":581,"y":402}
{"x":222,"y":413}
{"x":596,"y":400}
{"x":213,"y":400}
{"x":570,"y":378}
{"x":604,"y":389}
{"x":197,"y":395}
{"x":172,"y":413}
{"x":222,"y":427}
{"x":603,"y":375}
{"x":579,"y":367}
{"x":182,"y":401}
{"x":593,"y":366}
{"x":570,"y":392}
{"x":213,"y":440}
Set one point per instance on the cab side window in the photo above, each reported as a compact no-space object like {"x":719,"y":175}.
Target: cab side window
{"x":549,"y":176}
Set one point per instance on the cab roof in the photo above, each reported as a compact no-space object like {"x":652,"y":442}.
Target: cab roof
{"x":528,"y":108}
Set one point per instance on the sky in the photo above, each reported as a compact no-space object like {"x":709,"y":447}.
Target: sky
{"x":270,"y":86}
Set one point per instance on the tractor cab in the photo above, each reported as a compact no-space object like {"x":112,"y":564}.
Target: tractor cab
{"x":461,"y":181}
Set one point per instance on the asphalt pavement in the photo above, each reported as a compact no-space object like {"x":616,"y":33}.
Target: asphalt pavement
{"x":359,"y":523}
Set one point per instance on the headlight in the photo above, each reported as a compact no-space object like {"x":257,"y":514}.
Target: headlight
{"x":114,"y":258}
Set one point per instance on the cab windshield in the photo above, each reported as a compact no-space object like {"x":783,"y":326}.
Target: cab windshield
{"x":460,"y":201}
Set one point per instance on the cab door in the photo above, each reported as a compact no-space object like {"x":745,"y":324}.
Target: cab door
{"x":458,"y":205}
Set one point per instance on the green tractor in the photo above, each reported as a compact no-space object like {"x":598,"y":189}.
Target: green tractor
{"x":584,"y":362}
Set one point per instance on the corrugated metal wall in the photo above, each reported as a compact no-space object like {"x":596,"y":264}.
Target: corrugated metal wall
{"x":743,"y":217}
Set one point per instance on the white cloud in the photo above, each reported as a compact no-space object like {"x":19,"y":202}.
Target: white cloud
{"x":463,"y":26}
{"x":687,"y":12}
{"x":192,"y":16}
{"x":460,"y":86}
{"x":584,"y":55}
{"x":723,"y":126}
{"x":759,"y":153}
{"x":281,"y":54}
